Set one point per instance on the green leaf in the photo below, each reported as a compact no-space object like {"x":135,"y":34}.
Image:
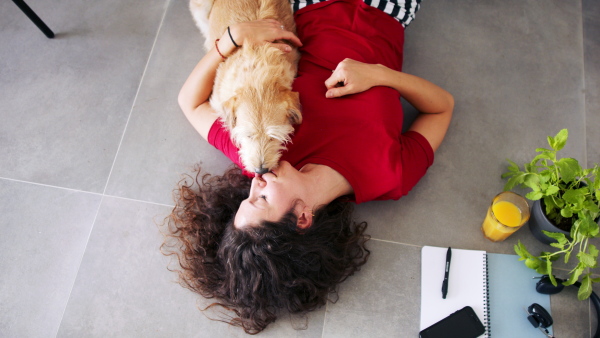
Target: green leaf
{"x":521,"y":250}
{"x":586,"y":259}
{"x":513,"y":166}
{"x":593,"y":251}
{"x":585,"y":290}
{"x":534,"y":263}
{"x":574,"y":274}
{"x":594,"y":230}
{"x":513,"y":181}
{"x":566,"y":212}
{"x":558,"y":202}
{"x":568,"y":168}
{"x":591,"y":206}
{"x":549,"y":202}
{"x":552,"y":279}
{"x":587,"y":226}
{"x":551,"y":190}
{"x":546,"y":176}
{"x":507,"y":174}
{"x":549,"y":271}
{"x":567,"y":256}
{"x":530,"y":167}
{"x":560,"y":140}
{"x":551,"y":142}
{"x":544,"y":157}
{"x":534,"y":195}
{"x":532,"y":181}
{"x":560,"y":237}
{"x":575,"y":196}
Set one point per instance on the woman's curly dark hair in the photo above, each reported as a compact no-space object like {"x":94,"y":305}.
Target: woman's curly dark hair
{"x":255,"y":272}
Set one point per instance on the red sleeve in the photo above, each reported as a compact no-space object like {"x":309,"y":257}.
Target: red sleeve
{"x":417,"y":157}
{"x":219,"y":138}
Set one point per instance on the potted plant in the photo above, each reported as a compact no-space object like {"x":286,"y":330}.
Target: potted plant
{"x":567,"y":197}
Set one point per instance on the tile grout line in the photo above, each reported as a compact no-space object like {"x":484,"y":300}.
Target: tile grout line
{"x":324,"y":319}
{"x":51,"y":186}
{"x":162,"y":20}
{"x":387,"y":241}
{"x":168,"y":2}
{"x":583,"y":79}
{"x":140,"y":201}
{"x":79,"y":265}
{"x":86,"y":192}
{"x":585,"y":149}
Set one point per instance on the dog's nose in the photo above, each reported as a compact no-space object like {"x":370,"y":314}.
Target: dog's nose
{"x":261,"y":171}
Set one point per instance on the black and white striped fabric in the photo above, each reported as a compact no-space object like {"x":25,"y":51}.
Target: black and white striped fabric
{"x":401,"y":10}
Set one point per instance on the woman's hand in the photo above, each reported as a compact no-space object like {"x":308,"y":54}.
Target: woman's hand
{"x":351,"y":77}
{"x":193,"y":96}
{"x":260,"y":32}
{"x":434,"y":103}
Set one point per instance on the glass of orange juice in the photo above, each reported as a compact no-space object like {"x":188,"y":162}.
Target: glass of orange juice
{"x":507,"y":214}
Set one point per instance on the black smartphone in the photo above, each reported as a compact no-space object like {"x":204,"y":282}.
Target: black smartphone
{"x":463,"y":323}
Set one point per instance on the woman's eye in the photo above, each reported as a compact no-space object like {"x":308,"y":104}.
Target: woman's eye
{"x":263,"y":197}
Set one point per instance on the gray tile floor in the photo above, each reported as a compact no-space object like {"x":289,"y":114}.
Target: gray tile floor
{"x":92,"y":142}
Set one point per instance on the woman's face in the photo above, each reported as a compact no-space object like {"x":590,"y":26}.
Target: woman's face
{"x":271,"y":196}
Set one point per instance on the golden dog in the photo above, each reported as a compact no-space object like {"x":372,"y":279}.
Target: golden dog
{"x":252,"y":93}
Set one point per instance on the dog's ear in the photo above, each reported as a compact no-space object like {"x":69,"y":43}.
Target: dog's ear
{"x":294,"y":112}
{"x":229,"y":108}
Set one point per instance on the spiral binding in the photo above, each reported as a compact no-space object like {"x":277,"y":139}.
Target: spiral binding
{"x":486,"y":298}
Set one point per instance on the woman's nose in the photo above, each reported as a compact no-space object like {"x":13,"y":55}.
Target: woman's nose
{"x":259,"y":181}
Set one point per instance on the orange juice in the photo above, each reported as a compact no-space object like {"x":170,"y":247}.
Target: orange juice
{"x":507,"y":213}
{"x":502,"y":219}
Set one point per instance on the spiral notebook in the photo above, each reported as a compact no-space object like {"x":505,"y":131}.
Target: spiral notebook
{"x":498,"y":287}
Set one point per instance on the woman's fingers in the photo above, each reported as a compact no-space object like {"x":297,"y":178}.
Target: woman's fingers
{"x":262,"y":31}
{"x":335,"y":80}
{"x":282,"y":47}
{"x":338,"y":91}
{"x":336,"y":84}
{"x":280,"y":33}
{"x":349,"y":77}
{"x":292,"y":38}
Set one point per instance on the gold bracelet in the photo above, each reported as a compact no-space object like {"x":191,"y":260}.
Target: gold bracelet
{"x":218,"y":51}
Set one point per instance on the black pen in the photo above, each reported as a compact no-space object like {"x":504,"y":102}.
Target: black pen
{"x":446,"y":273}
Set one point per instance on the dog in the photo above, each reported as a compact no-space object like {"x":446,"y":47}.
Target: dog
{"x":252,"y":93}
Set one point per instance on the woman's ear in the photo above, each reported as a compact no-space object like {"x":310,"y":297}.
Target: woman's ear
{"x":305,"y":218}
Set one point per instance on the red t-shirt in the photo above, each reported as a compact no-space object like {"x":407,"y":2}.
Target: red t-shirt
{"x":360,"y":135}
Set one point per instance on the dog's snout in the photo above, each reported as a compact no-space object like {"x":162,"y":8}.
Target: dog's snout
{"x":261,"y":171}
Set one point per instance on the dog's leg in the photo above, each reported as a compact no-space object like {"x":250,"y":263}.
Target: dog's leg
{"x":200,"y":10}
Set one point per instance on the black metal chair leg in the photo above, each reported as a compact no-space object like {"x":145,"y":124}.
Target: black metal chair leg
{"x":33,"y":17}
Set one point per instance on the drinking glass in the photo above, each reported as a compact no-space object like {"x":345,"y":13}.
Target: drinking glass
{"x":507,"y":213}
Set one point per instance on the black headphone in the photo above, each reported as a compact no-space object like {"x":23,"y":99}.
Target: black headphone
{"x":540,"y":318}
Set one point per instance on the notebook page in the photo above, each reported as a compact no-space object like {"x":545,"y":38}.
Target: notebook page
{"x":466,"y":285}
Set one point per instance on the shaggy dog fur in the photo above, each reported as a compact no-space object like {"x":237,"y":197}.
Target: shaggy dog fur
{"x":252,"y":93}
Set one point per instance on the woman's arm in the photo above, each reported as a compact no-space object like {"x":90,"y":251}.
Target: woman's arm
{"x":434,"y":103}
{"x":194,"y":95}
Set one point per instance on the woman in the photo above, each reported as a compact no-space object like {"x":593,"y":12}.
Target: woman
{"x":286,"y":239}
